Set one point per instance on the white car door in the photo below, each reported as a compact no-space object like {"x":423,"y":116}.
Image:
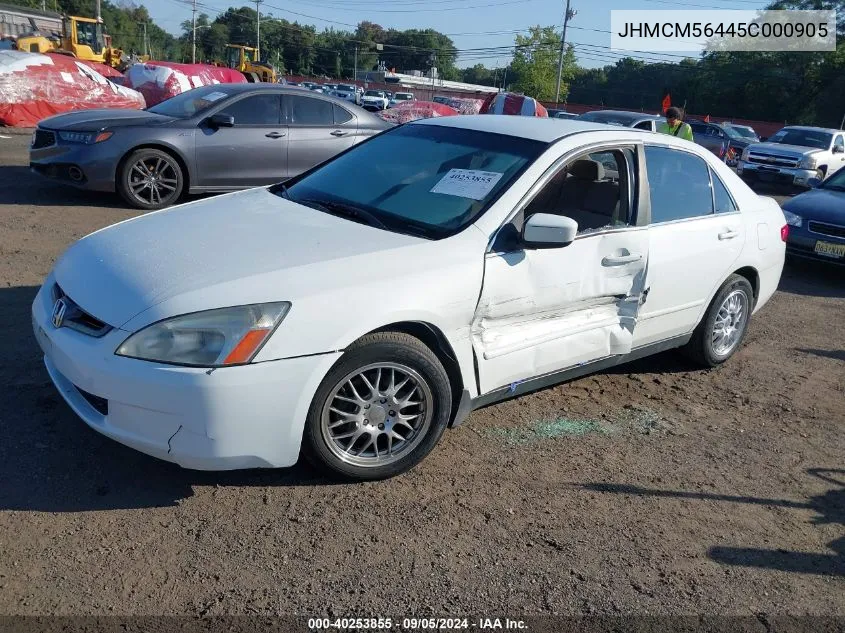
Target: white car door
{"x":548,"y":309}
{"x":696,"y":234}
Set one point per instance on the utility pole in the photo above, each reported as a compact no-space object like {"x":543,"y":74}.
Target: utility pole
{"x":257,"y":30}
{"x":193,"y":32}
{"x":566,"y":18}
{"x":99,"y":15}
{"x":842,"y":125}
{"x":43,"y":5}
{"x":146,"y":43}
{"x":355,"y":71}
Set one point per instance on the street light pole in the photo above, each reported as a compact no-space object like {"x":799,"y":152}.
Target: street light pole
{"x":566,"y":17}
{"x":194,"y":33}
{"x":258,"y":30}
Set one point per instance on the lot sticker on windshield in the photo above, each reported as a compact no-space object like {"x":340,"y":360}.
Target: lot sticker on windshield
{"x":467,"y":183}
{"x":214,"y":96}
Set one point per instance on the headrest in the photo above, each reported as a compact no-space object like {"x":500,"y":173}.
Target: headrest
{"x":587,"y":170}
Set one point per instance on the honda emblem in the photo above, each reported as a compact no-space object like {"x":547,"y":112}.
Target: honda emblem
{"x":59,"y":313}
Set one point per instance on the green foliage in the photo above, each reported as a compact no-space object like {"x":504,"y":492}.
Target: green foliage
{"x":535,"y":64}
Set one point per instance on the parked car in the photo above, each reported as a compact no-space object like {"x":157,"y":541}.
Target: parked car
{"x":347,"y":93}
{"x":316,"y":88}
{"x":207,"y":140}
{"x":441,"y":99}
{"x":638,"y":120}
{"x":374,"y":100}
{"x":794,"y":156}
{"x":816,"y":221}
{"x":745,"y":131}
{"x":401,"y":97}
{"x":308,"y":84}
{"x":711,"y":136}
{"x":561,"y":114}
{"x":238,"y":331}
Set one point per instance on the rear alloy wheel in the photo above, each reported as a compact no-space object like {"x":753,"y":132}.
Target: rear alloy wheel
{"x":723,"y":328}
{"x":151,"y":179}
{"x":380,"y":410}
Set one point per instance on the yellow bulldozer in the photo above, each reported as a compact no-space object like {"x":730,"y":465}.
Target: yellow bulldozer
{"x":79,"y":37}
{"x":35,"y":31}
{"x":246,"y":60}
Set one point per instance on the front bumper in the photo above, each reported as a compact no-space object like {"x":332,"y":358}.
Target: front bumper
{"x":801,"y":243}
{"x":250,"y":416}
{"x":776,"y":175}
{"x":95,"y":164}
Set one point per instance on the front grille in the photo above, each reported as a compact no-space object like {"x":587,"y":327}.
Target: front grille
{"x":827,"y":229}
{"x":773,"y":160}
{"x":101,"y":405}
{"x":78,"y":319}
{"x":43,"y":138}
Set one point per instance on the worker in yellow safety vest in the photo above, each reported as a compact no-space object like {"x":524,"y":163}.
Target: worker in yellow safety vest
{"x":675,"y":126}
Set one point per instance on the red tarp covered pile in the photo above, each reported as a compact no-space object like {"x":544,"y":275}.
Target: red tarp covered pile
{"x":509,"y":103}
{"x":413,"y":110}
{"x":158,"y":81}
{"x":34,"y":87}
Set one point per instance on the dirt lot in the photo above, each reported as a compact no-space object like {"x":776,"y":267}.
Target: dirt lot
{"x":655,"y":488}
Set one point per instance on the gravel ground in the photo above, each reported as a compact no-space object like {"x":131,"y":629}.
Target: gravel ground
{"x":655,"y":488}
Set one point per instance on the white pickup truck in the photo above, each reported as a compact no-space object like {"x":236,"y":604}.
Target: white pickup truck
{"x":795,"y":155}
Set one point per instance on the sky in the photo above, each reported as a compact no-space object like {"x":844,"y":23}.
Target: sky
{"x":472,"y":24}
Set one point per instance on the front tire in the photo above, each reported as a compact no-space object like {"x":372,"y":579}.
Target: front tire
{"x":380,"y":410}
{"x":725,"y":324}
{"x":150,"y":179}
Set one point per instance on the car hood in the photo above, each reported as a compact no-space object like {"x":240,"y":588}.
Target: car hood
{"x":231,"y":250}
{"x":823,"y":205}
{"x":107,"y":118}
{"x":779,"y":149}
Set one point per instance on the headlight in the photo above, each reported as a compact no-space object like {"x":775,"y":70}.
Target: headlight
{"x":811,"y":162}
{"x":213,"y":338}
{"x":792,"y":219}
{"x":86,"y":138}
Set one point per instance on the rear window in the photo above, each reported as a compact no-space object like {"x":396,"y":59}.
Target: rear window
{"x":423,"y":179}
{"x":608,"y":119}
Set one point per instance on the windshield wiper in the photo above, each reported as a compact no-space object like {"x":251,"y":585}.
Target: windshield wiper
{"x":346,"y":210}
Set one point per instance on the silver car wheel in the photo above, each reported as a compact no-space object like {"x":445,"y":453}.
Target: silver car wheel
{"x":730,"y":323}
{"x":153,"y":180}
{"x":377,"y":414}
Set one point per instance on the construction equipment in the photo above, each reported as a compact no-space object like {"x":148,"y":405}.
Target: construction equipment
{"x":246,"y":60}
{"x":48,"y":32}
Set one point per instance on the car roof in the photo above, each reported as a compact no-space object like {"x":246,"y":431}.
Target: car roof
{"x":810,"y":128}
{"x":627,"y":113}
{"x":543,"y":129}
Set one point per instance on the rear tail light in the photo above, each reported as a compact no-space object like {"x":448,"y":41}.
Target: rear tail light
{"x":784,"y":232}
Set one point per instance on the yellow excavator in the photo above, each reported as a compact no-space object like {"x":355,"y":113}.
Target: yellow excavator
{"x":246,"y":60}
{"x":35,"y":31}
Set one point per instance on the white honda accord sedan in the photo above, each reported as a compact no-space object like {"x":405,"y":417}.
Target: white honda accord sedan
{"x":357,"y":311}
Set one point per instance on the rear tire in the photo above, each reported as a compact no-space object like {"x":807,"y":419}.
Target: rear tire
{"x":360,"y":426}
{"x":725,"y":324}
{"x":150,"y":179}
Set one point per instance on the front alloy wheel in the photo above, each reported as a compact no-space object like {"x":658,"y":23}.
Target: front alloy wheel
{"x":150,"y":179}
{"x":380,"y":410}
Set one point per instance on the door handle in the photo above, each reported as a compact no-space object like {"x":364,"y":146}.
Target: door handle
{"x":621,"y":260}
{"x":728,"y":235}
{"x":275,"y":135}
{"x":339,"y":133}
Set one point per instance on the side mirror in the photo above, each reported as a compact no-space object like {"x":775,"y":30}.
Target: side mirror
{"x":545,"y":230}
{"x":221,"y":120}
{"x":813,"y":182}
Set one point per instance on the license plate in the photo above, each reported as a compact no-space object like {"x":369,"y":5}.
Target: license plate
{"x":830,"y":250}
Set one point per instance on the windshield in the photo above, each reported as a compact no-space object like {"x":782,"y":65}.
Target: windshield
{"x":192,"y":102}
{"x":373,"y":93}
{"x":345,"y":88}
{"x":733,"y":133}
{"x":607,"y":118}
{"x":836,"y":181}
{"x":805,"y":138}
{"x":420,"y":179}
{"x":743,"y":132}
{"x":403,"y":96}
